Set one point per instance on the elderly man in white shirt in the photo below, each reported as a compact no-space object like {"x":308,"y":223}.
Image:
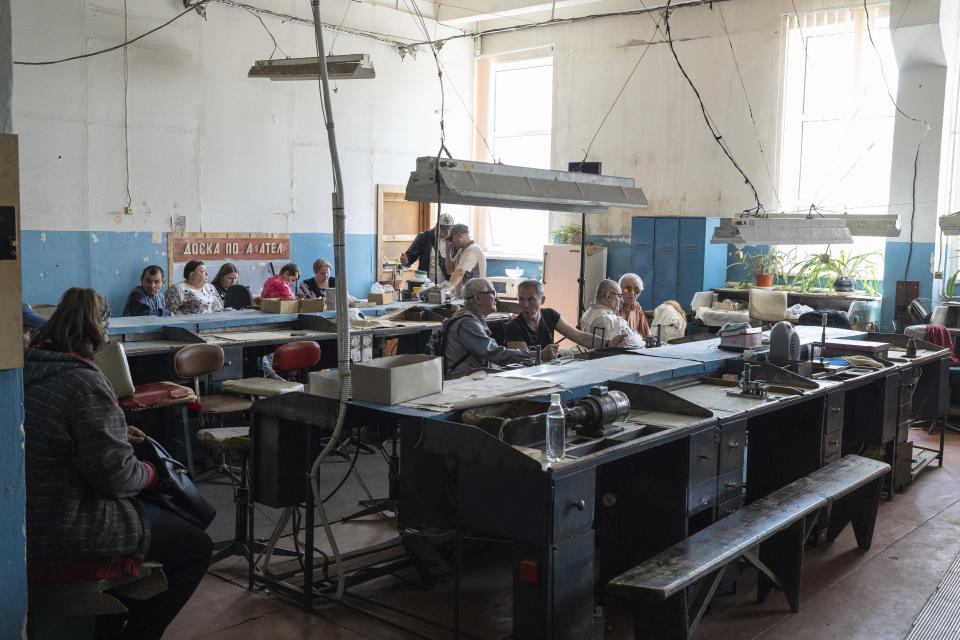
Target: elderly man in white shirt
{"x":602,"y":315}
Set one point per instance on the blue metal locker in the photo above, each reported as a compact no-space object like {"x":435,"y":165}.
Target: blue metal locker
{"x":641,"y":256}
{"x":691,"y":259}
{"x":666,"y":237}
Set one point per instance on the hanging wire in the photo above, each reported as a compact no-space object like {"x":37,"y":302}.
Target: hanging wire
{"x":126,"y":128}
{"x":276,"y":46}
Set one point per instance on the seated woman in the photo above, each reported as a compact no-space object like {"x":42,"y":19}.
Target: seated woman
{"x":281,"y":285}
{"x":226,"y":277}
{"x":630,"y":310}
{"x":316,"y":287}
{"x":84,"y":520}
{"x":194,"y":294}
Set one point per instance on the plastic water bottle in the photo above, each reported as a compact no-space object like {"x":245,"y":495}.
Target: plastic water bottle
{"x":556,"y":429}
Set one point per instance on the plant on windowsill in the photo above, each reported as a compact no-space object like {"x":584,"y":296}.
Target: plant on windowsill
{"x":567,"y":234}
{"x":763,"y":266}
{"x":850,"y":267}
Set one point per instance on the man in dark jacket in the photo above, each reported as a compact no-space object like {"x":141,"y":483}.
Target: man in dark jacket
{"x":422,"y":249}
{"x":146,"y":299}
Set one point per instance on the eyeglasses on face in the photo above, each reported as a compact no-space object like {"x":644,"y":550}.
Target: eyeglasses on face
{"x":614,"y":293}
{"x":487,"y":293}
{"x":632,"y":289}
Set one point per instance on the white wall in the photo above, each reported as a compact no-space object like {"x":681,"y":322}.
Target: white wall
{"x":229,"y":152}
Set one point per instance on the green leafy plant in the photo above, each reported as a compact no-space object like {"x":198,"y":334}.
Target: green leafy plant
{"x":567,"y":234}
{"x":864,"y":267}
{"x":760,"y":264}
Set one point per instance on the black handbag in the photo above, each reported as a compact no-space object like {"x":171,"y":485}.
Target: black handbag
{"x":174,"y":489}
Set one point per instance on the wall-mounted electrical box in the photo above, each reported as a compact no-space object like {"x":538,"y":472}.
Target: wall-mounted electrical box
{"x":11,"y":316}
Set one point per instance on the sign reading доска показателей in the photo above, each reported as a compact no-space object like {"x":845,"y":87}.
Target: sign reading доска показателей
{"x":229,"y":247}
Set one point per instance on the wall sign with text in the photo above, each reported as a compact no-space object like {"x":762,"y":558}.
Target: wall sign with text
{"x":252,"y":253}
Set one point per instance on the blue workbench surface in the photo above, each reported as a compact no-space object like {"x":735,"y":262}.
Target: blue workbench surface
{"x":247,"y":317}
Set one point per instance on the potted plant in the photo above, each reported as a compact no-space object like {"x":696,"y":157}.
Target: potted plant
{"x":567,"y":234}
{"x":850,"y":267}
{"x":763,"y":266}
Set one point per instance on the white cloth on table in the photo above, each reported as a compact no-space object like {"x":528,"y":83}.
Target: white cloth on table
{"x":720,"y":317}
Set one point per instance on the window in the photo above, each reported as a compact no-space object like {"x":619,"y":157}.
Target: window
{"x":838,"y":119}
{"x":521,"y":104}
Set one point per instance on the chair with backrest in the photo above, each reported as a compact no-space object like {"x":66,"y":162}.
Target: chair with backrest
{"x":294,"y":358}
{"x":291,"y":358}
{"x":153,"y":396}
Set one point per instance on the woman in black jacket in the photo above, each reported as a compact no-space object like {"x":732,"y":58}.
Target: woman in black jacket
{"x":83,"y":518}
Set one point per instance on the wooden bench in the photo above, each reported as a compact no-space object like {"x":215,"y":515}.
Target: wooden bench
{"x":669,"y":593}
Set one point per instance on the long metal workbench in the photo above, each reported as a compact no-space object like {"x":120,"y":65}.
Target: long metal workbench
{"x":680,"y":462}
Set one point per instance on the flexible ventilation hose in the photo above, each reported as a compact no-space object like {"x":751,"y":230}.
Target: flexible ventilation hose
{"x":340,"y":286}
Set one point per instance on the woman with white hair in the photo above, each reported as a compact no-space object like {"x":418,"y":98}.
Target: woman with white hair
{"x":630,"y":309}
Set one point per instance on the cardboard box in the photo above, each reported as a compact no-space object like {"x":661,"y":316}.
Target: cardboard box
{"x":361,"y":304}
{"x":415,"y":314}
{"x":312,"y":305}
{"x":396,"y":379}
{"x":381,"y":298}
{"x":279,"y":305}
{"x":325,"y":383}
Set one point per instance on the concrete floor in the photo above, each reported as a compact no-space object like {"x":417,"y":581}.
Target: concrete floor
{"x":847,"y":593}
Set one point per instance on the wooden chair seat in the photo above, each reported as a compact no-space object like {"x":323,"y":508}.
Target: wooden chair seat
{"x":260,"y":387}
{"x":220,"y":403}
{"x":226,"y":439}
{"x":157,"y":395}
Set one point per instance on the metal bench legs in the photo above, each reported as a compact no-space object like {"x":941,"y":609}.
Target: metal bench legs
{"x":676,"y":617}
{"x":780,"y":561}
{"x":859,"y":508}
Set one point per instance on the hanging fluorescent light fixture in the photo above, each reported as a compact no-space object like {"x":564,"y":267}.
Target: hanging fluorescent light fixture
{"x":500,"y":185}
{"x":356,"y":66}
{"x":878,"y":226}
{"x":783,"y":229}
{"x":950,"y":225}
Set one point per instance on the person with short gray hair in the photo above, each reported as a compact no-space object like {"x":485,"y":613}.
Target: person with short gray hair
{"x":601,"y":316}
{"x":467,"y":343}
{"x":469,"y":262}
{"x":536,"y":325}
{"x":632,"y":285}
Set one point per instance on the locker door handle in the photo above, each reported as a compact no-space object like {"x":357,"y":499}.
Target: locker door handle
{"x":835,"y":410}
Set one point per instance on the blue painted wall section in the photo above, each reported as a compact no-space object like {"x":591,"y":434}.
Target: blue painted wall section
{"x":111,"y":262}
{"x":618,"y":253}
{"x":13,"y":505}
{"x":894,"y":267}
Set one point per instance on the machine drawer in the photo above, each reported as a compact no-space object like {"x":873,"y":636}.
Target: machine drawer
{"x":727,"y":507}
{"x":703,"y":456}
{"x":730,"y":485}
{"x":832,"y":443}
{"x":890,"y":404}
{"x":701,"y":496}
{"x":732,"y":438}
{"x":833,"y":421}
{"x":232,"y":365}
{"x":574,"y":497}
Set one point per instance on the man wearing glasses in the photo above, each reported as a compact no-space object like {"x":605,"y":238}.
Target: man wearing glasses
{"x":601,"y":316}
{"x":630,"y":310}
{"x":467,"y":344}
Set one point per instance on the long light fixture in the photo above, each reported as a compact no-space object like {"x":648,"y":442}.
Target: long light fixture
{"x":356,"y":66}
{"x":754,"y":230}
{"x":501,"y":185}
{"x":950,"y":225}
{"x":878,"y":226}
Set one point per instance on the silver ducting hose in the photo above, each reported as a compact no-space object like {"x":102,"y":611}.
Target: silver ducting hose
{"x":343,"y":317}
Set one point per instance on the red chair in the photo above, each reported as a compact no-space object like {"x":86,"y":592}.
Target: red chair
{"x":294,"y":358}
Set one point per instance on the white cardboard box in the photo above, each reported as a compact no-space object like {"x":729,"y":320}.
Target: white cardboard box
{"x":325,"y":383}
{"x":396,"y":379}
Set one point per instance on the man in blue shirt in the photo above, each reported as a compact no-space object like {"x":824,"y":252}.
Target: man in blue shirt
{"x":146,"y":300}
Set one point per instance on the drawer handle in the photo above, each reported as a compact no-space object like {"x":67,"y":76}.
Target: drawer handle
{"x":705,"y":501}
{"x":833,"y":443}
{"x":731,"y":485}
{"x":703,"y":457}
{"x":579,"y":505}
{"x":835,"y":410}
{"x":734,"y":444}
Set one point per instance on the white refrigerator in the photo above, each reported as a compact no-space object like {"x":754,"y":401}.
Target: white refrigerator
{"x":561,"y":268}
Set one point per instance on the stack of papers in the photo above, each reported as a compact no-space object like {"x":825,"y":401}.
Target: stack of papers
{"x":483,"y":389}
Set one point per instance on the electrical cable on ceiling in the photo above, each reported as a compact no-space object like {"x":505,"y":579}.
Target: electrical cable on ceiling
{"x":923,"y":136}
{"x":276,"y":46}
{"x":758,"y":208}
{"x":336,"y":33}
{"x":469,"y":113}
{"x":126,"y":129}
{"x":656,"y":28}
{"x":753,"y":119}
{"x":118,"y":46}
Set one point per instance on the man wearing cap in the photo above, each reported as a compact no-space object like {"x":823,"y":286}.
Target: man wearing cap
{"x":469,"y":261}
{"x":422,"y":249}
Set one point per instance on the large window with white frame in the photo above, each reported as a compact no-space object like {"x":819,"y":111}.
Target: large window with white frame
{"x":520,"y":119}
{"x":837,"y":118}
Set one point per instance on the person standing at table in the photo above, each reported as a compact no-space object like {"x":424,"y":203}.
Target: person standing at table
{"x":281,"y":285}
{"x":194,"y":294}
{"x":316,"y":287}
{"x":468,"y":262}
{"x":146,"y":300}
{"x":421,"y":249}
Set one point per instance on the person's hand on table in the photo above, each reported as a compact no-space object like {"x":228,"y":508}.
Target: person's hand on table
{"x":619,"y":341}
{"x":549,"y":352}
{"x":404,"y":260}
{"x":134,"y":435}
